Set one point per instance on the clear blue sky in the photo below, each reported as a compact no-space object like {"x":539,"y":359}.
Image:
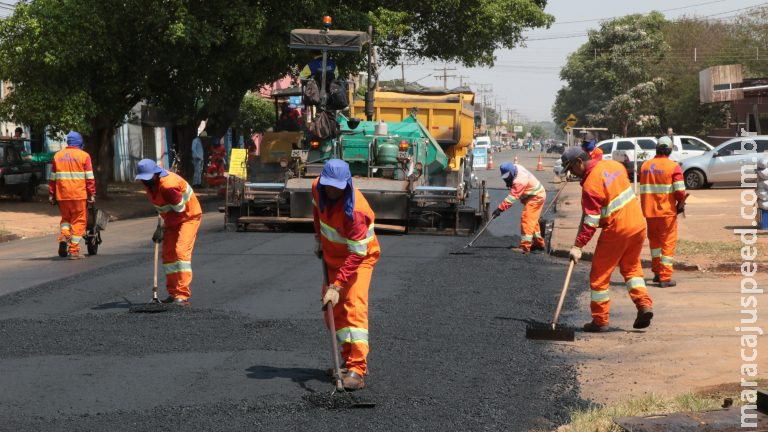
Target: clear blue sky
{"x":527,"y":79}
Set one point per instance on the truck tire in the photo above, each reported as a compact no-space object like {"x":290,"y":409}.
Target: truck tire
{"x":29,"y":190}
{"x":93,"y":242}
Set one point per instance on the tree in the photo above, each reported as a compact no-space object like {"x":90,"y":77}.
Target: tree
{"x":256,"y":114}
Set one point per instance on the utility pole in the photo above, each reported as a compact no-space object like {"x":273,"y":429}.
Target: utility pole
{"x":445,"y":75}
{"x":402,"y":71}
{"x":483,"y":90}
{"x":461,"y":80}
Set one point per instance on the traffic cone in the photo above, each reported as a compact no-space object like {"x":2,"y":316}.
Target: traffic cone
{"x":540,"y":165}
{"x":490,"y":160}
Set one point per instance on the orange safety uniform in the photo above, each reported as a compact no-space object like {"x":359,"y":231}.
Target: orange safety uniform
{"x":350,"y":252}
{"x":609,"y":203}
{"x":528,"y":190}
{"x":71,"y":183}
{"x":177,"y":204}
{"x":215,"y":173}
{"x":596,"y":154}
{"x":661,"y":189}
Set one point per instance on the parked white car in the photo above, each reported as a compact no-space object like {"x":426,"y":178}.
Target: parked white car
{"x":723,"y":164}
{"x":684,"y":147}
{"x":483,"y":142}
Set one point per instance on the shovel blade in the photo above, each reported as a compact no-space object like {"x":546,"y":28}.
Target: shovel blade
{"x":544,"y":331}
{"x":149,"y":308}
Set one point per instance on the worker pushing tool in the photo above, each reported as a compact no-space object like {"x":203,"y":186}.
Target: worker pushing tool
{"x":526,"y":188}
{"x":72,"y":186}
{"x":590,"y":147}
{"x":662,"y":195}
{"x":608,"y":202}
{"x":348,"y":246}
{"x":177,"y":204}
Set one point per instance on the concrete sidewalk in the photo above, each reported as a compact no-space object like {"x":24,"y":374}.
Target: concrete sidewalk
{"x":706,"y":238}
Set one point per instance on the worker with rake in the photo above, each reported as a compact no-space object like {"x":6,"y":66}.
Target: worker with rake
{"x":348,"y":246}
{"x":526,"y":188}
{"x":608,"y":202}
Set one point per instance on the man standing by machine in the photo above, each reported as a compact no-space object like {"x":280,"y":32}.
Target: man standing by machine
{"x":72,"y":185}
{"x":348,"y":246}
{"x":177,"y":204}
{"x":608,"y":202}
{"x":198,"y":155}
{"x":590,"y":147}
{"x":526,"y":188}
{"x":662,"y":195}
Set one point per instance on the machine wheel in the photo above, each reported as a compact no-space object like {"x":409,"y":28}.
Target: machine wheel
{"x":93,"y":242}
{"x":29,"y":190}
{"x":695,"y":179}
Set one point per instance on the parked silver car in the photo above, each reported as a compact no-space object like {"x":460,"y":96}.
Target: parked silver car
{"x":723,"y":164}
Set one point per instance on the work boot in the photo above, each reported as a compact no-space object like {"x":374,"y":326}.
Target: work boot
{"x":332,"y":373}
{"x":537,"y":249}
{"x":519,"y":250}
{"x":353,"y":381}
{"x":656,"y":278}
{"x":643,"y":319}
{"x":75,"y":256}
{"x":667,"y":284}
{"x":63,"y":249}
{"x":591,"y":327}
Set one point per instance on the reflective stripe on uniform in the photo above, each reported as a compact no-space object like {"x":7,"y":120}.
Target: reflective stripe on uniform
{"x":656,"y":189}
{"x":357,"y":247}
{"x":617,"y":203}
{"x":352,"y":335}
{"x":667,"y":261}
{"x":600,"y":296}
{"x":75,"y":240}
{"x":178,"y":267}
{"x":66,"y":226}
{"x":535,"y":190}
{"x":178,"y":208}
{"x":635,"y":283}
{"x":526,"y":237}
{"x":591,"y":220}
{"x":678,"y":186}
{"x":537,"y":234}
{"x":510,"y":199}
{"x":655,"y":253}
{"x":68,"y":175}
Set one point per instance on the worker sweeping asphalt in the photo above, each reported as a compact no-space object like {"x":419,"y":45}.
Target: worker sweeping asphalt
{"x":348,"y":246}
{"x":590,"y":147}
{"x":608,"y":202}
{"x":177,"y":204}
{"x":72,"y":186}
{"x":526,"y":188}
{"x":662,"y":196}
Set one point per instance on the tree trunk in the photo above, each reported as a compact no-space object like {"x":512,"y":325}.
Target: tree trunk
{"x":185,"y":133}
{"x":99,"y":145}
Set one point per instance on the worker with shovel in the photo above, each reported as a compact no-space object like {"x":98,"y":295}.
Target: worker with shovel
{"x":72,"y":185}
{"x":527,"y":189}
{"x":662,"y":195}
{"x":608,"y":202}
{"x":177,"y":204}
{"x":347,"y":244}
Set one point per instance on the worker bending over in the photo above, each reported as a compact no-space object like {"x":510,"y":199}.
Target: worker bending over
{"x":177,"y":204}
{"x":72,"y":186}
{"x":524,"y":187}
{"x":662,"y":195}
{"x":608,"y":202}
{"x":346,"y":242}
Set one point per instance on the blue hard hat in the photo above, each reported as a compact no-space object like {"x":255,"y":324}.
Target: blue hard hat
{"x":508,"y":170}
{"x":74,"y":139}
{"x":147,"y":168}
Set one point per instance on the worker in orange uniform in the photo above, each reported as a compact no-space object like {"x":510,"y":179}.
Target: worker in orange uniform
{"x":662,"y":195}
{"x":216,"y":164}
{"x":608,"y":202}
{"x":177,"y":204}
{"x":527,"y":189}
{"x":72,"y":186}
{"x":590,"y":147}
{"x":348,"y":246}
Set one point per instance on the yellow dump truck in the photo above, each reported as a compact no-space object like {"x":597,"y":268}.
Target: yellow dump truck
{"x":447,"y":114}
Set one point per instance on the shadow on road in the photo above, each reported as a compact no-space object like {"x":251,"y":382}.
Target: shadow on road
{"x":125,"y":304}
{"x":298,"y":375}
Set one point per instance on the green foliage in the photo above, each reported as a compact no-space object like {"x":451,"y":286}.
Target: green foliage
{"x":256,"y":114}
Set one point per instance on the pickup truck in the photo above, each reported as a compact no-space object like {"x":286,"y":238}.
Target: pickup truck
{"x":18,"y":175}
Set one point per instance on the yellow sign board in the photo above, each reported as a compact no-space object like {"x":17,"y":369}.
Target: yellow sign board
{"x":238,"y":163}
{"x":571,"y":120}
{"x":567,"y":129}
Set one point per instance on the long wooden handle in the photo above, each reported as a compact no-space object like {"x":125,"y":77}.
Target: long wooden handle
{"x":562,"y":294}
{"x":332,"y":328}
{"x":154,"y":279}
{"x":554,"y":200}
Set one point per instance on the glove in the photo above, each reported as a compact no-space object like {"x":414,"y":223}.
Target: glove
{"x":318,"y":248}
{"x":575,"y":254}
{"x":157,"y":237}
{"x":331,"y":295}
{"x":680,"y":207}
{"x":496,"y":213}
{"x":52,"y":199}
{"x":92,"y":199}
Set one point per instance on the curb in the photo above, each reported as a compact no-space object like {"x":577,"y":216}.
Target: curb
{"x":728,"y":267}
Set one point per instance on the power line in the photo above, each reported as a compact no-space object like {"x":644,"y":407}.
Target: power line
{"x":663,"y":10}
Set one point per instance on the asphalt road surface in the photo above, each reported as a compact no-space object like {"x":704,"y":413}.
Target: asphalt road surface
{"x":448,"y":350}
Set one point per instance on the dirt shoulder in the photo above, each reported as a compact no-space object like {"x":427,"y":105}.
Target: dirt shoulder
{"x":37,"y":218}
